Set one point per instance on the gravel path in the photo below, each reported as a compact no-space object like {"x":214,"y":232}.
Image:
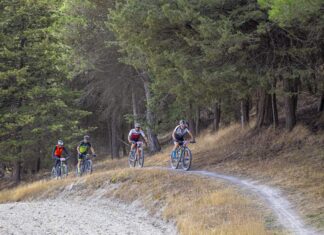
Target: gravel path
{"x":98,"y":216}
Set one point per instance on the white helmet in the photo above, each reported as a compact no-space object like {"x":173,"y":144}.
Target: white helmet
{"x":60,"y":142}
{"x":137,"y":125}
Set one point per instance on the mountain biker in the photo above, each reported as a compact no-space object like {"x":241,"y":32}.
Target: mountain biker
{"x":83,"y":149}
{"x":134,"y":136}
{"x":178,"y":135}
{"x":58,"y":151}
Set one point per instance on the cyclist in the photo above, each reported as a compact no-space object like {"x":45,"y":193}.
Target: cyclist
{"x":57,"y":154}
{"x":178,"y":135}
{"x":83,"y":149}
{"x":134,"y":136}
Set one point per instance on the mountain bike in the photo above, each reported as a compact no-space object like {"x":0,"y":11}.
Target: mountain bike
{"x":136,"y":155}
{"x":85,"y":165}
{"x":61,"y":170}
{"x":183,"y":156}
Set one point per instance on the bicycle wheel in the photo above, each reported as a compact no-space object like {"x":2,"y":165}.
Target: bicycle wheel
{"x":141,"y":159}
{"x":64,"y":170}
{"x":132,"y":159}
{"x":53,"y":173}
{"x":88,"y":167}
{"x":186,"y":159}
{"x":175,"y":160}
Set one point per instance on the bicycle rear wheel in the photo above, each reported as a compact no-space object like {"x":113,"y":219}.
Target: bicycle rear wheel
{"x":186,"y":159}
{"x":132,"y":159}
{"x":175,"y":160}
{"x":141,"y":159}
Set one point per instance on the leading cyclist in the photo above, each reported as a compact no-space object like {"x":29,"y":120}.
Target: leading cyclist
{"x":178,"y":135}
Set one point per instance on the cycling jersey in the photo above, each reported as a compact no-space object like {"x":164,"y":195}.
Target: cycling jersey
{"x":180,"y":133}
{"x":58,"y":150}
{"x":135,"y":135}
{"x":84,"y":147}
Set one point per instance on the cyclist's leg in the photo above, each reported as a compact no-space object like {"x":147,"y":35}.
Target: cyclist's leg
{"x":57,"y":163}
{"x":133,"y":147}
{"x":80,"y":158}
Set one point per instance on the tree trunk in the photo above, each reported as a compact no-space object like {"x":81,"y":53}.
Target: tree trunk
{"x":217,"y":115}
{"x":38,"y":164}
{"x":152,"y":137}
{"x":123,"y":145}
{"x":114,"y":137}
{"x":290,"y":99}
{"x":134,"y":104}
{"x":245,"y":109}
{"x":191,"y":120}
{"x":321,"y":103}
{"x":267,"y":109}
{"x":197,"y":120}
{"x":17,"y":171}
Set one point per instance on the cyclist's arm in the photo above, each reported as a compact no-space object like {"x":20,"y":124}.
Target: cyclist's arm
{"x":66,"y":152}
{"x":129,"y":137}
{"x":78,"y":149}
{"x":53,"y":152}
{"x":191,"y":136}
{"x":92,"y":150}
{"x":144,"y":137}
{"x":173,"y":133}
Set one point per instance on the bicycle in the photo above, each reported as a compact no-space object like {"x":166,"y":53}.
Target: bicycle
{"x":183,"y":155}
{"x":61,"y":170}
{"x":85,"y":165}
{"x":134,"y":155}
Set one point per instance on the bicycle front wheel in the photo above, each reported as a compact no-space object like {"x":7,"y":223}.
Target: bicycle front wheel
{"x":64,"y":170}
{"x":132,"y":159}
{"x":141,"y":159}
{"x":186,"y":159}
{"x":175,"y":160}
{"x":88,"y":167}
{"x":53,"y":173}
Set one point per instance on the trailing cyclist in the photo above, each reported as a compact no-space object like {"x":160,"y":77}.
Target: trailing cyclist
{"x":135,"y":135}
{"x":57,"y":152}
{"x":179,"y":134}
{"x":83,"y":149}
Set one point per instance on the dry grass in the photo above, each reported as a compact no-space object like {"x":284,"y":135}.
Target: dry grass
{"x":31,"y":190}
{"x":292,"y":161}
{"x":196,"y":204}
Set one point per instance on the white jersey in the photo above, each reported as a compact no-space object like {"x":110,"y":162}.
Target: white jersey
{"x":135,"y":135}
{"x":180,"y":133}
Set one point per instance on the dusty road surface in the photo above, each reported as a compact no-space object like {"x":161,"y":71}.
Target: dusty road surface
{"x":70,"y":217}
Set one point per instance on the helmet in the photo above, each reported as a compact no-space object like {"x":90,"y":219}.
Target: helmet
{"x":182,"y":122}
{"x":60,"y":142}
{"x":86,"y":137}
{"x":137,"y":125}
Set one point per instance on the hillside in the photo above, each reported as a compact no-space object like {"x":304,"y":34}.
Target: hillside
{"x":290,"y":161}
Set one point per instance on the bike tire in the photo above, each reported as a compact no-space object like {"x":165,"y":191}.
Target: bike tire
{"x":175,"y":161}
{"x":141,"y":159}
{"x":64,"y":170}
{"x":89,"y":167}
{"x":53,"y":173}
{"x":131,"y":160}
{"x":186,"y":159}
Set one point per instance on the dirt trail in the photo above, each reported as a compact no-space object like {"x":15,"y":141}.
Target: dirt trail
{"x":278,"y":204}
{"x":287,"y":217}
{"x":99,"y":216}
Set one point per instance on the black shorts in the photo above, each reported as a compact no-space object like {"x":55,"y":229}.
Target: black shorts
{"x":82,"y":155}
